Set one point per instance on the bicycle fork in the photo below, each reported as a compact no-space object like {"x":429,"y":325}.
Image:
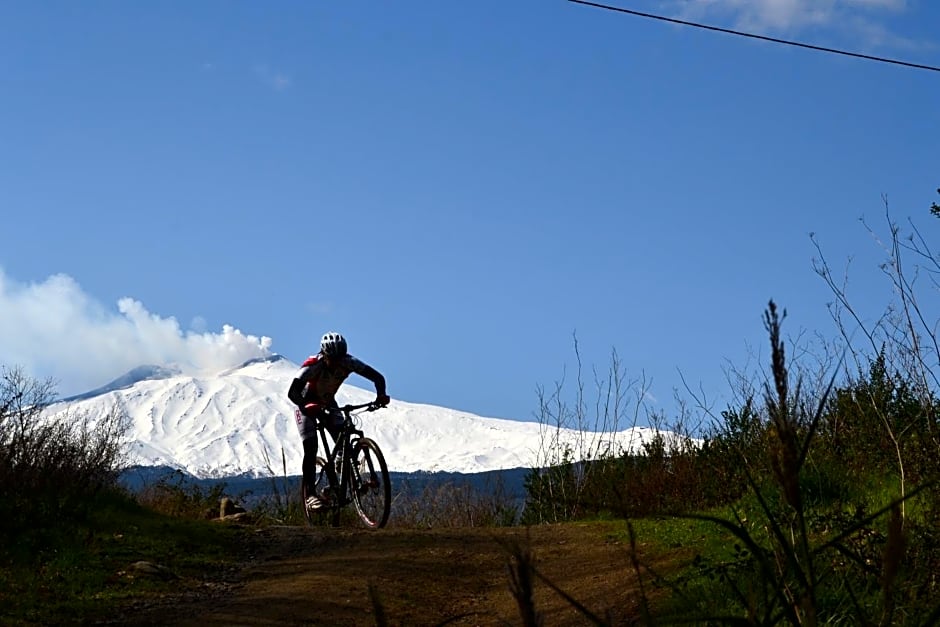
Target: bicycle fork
{"x":342,"y":471}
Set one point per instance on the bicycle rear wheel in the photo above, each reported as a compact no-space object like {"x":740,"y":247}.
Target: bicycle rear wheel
{"x":372,"y":489}
{"x":321,"y":487}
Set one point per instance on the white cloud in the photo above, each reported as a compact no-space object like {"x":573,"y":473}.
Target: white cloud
{"x":792,"y":15}
{"x":896,"y":5}
{"x":198,"y":324}
{"x":273,"y":78}
{"x":320,"y":307}
{"x":54,"y":329}
{"x":878,"y":36}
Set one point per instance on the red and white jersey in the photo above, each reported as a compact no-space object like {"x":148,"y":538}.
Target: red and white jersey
{"x":317,"y":382}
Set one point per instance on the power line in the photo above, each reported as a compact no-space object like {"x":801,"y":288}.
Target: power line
{"x":761,"y":37}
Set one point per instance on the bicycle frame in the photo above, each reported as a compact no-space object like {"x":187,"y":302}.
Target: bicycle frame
{"x":348,"y":434}
{"x":362,"y":478}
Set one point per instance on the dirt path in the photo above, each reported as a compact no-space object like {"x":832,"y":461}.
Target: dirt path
{"x":301,"y":576}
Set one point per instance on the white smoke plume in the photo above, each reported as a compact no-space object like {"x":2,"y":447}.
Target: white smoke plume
{"x":53,"y":329}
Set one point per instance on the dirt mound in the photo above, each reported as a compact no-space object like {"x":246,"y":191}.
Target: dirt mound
{"x":302,"y":576}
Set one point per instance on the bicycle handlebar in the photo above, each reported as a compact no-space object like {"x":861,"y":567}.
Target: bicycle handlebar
{"x":371,"y":406}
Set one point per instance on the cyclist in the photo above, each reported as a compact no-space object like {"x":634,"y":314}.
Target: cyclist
{"x":313,"y":390}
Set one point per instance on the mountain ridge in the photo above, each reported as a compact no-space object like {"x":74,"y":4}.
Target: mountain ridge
{"x":135,"y":375}
{"x":240,"y":422}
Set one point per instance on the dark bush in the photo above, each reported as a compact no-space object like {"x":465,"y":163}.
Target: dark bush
{"x":51,"y":469}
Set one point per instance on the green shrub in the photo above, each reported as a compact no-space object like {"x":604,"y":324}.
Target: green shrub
{"x":50,"y":469}
{"x":177,"y":496}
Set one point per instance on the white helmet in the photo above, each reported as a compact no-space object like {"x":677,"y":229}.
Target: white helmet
{"x":333,"y":345}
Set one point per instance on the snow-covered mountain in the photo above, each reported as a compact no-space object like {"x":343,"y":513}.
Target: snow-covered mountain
{"x":239,"y":421}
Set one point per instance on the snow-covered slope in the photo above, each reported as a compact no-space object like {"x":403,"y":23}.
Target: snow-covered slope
{"x":240,"y":421}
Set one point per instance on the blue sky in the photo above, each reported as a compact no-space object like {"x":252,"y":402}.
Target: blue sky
{"x":456,"y":187}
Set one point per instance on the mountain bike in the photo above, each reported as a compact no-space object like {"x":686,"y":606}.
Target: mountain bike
{"x":354,"y":471}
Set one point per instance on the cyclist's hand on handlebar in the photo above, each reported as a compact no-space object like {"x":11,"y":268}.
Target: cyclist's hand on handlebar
{"x":381,"y":400}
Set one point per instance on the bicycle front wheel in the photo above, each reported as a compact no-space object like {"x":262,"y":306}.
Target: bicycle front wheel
{"x":372,"y":488}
